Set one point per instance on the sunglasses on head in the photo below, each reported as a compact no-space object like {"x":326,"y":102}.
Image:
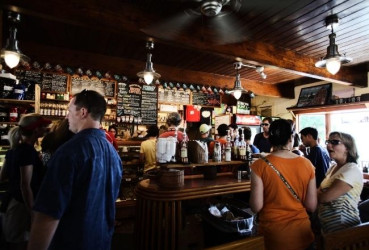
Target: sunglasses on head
{"x":333,"y":142}
{"x":264,"y":124}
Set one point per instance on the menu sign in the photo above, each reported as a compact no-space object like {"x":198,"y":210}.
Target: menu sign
{"x":205,"y":99}
{"x":105,"y":87}
{"x":137,"y":103}
{"x":149,"y":103}
{"x":174,"y":96}
{"x":52,"y":82}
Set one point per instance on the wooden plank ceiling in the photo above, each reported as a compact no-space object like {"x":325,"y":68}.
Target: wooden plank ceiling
{"x":287,"y":37}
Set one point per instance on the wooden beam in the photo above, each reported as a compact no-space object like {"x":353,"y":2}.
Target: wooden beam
{"x":129,"y":68}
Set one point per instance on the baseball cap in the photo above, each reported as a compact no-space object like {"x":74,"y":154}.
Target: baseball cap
{"x":204,"y":128}
{"x":37,"y":123}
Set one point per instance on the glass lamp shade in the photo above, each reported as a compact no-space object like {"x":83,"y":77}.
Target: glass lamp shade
{"x":11,"y":58}
{"x":333,"y":65}
{"x":148,"y":77}
{"x":237,"y":94}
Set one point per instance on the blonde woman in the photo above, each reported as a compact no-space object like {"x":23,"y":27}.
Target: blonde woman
{"x":24,"y":170}
{"x":339,"y":192}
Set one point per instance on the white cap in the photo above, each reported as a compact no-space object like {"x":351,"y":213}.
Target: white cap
{"x":204,"y":128}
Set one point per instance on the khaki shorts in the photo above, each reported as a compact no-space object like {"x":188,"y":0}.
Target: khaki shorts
{"x":16,"y":222}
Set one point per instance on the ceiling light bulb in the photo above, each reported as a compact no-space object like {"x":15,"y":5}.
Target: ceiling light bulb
{"x":333,"y":65}
{"x":148,"y":77}
{"x":237,"y":94}
{"x":11,"y":59}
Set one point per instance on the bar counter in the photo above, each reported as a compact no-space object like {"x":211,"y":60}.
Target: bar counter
{"x":159,"y":214}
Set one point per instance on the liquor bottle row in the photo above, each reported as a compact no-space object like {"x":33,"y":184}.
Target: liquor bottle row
{"x":52,"y":96}
{"x":12,"y":113}
{"x":53,"y":109}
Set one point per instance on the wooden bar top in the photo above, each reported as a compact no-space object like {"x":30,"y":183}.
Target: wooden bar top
{"x":193,"y":188}
{"x":193,"y":165}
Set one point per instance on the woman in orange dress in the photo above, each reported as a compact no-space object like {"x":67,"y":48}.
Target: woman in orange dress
{"x":283,"y":218}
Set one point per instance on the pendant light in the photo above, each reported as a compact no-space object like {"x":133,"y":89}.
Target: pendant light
{"x":238,"y":89}
{"x":149,"y":74}
{"x":11,"y":53}
{"x":333,"y":60}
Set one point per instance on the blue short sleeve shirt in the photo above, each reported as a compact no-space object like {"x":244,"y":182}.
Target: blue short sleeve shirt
{"x":80,"y":189}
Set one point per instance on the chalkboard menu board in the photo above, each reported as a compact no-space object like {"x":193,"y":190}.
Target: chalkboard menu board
{"x":105,"y":87}
{"x":174,"y":96}
{"x":52,"y":82}
{"x":204,"y":99}
{"x":137,"y":103}
{"x":149,"y":103}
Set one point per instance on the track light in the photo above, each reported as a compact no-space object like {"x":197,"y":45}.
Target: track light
{"x":149,"y":73}
{"x":11,"y":53}
{"x":238,"y":90}
{"x":333,"y":60}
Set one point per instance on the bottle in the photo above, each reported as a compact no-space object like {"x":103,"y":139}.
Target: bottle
{"x":206,"y":154}
{"x":13,"y":114}
{"x":236,"y":143}
{"x":228,"y":148}
{"x":242,"y":171}
{"x":248,"y":153}
{"x":3,"y":114}
{"x":242,"y":147}
{"x":4,"y":135}
{"x":217,"y":152}
{"x":184,"y":149}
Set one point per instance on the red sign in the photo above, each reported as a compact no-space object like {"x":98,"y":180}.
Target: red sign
{"x":248,"y":120}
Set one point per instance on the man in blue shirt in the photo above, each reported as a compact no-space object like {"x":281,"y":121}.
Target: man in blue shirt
{"x":75,"y":207}
{"x":261,"y":140}
{"x":318,"y":155}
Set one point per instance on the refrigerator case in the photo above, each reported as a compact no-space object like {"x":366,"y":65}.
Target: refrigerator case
{"x":251,"y":121}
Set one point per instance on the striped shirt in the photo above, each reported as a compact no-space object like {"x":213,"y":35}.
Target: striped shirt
{"x":342,"y":212}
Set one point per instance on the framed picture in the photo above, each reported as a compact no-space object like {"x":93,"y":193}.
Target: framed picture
{"x":315,"y":96}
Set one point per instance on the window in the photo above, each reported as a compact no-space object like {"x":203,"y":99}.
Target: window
{"x":356,"y":124}
{"x":314,"y":121}
{"x":353,"y":122}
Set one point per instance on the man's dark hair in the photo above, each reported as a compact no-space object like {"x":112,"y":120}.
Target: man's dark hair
{"x":247,"y":133}
{"x":152,"y":131}
{"x":174,"y":119}
{"x":93,"y":102}
{"x":269,"y":119}
{"x":310,"y":131}
{"x":222,"y":129}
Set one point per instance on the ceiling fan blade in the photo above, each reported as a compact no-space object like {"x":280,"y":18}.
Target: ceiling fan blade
{"x":172,"y":27}
{"x":225,"y":29}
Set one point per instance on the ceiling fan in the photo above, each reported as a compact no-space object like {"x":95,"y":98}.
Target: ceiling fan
{"x":215,"y":21}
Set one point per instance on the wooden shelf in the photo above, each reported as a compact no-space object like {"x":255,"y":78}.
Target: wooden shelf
{"x":329,"y":108}
{"x":54,"y":101}
{"x":15,"y":101}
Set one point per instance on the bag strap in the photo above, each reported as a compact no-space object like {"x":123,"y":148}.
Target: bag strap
{"x":282,"y":178}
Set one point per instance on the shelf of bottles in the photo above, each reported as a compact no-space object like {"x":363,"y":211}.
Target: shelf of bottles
{"x":53,"y":109}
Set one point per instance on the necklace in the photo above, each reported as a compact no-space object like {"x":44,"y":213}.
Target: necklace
{"x":278,"y":149}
